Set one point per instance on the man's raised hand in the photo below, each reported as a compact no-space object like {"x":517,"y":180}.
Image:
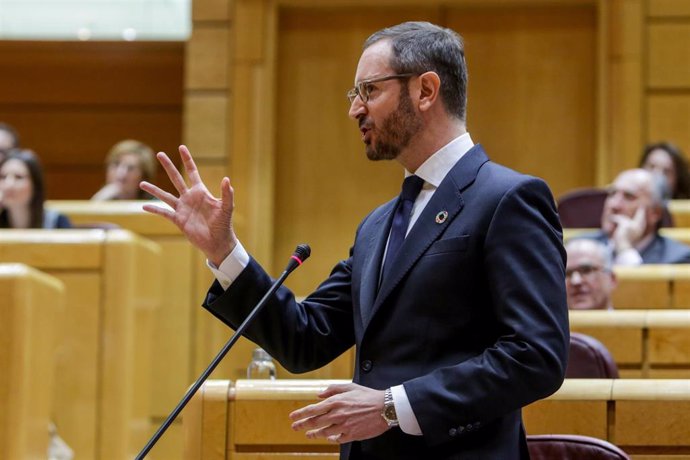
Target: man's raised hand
{"x":205,"y":220}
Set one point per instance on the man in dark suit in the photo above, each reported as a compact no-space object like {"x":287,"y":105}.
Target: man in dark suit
{"x":457,"y":325}
{"x":631,"y":219}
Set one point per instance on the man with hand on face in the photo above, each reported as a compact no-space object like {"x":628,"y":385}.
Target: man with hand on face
{"x":631,"y":219}
{"x":589,"y":277}
{"x":453,"y":294}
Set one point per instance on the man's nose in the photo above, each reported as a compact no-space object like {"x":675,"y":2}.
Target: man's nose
{"x":575,"y":278}
{"x":357,"y":108}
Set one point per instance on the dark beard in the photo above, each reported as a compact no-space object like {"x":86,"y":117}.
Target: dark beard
{"x":396,"y":131}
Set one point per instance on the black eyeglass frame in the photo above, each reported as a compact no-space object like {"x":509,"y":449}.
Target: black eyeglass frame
{"x":361,"y":89}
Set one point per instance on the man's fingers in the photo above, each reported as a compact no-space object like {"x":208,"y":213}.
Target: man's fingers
{"x":189,"y":165}
{"x":226,"y":195}
{"x":172,"y":172}
{"x":165,"y":212}
{"x":165,"y":197}
{"x":335,"y":389}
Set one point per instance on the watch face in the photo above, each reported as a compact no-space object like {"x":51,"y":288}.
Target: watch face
{"x":390,"y":413}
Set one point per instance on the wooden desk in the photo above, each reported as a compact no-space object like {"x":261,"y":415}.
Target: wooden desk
{"x":248,"y":420}
{"x":112,"y":284}
{"x":644,"y":343}
{"x":32,"y":301}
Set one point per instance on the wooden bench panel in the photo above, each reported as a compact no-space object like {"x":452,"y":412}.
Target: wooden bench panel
{"x":680,"y":210}
{"x":32,"y":301}
{"x":641,"y":341}
{"x":248,"y":419}
{"x":102,"y":389}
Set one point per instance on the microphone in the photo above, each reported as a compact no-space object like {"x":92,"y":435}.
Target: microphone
{"x":302,"y":253}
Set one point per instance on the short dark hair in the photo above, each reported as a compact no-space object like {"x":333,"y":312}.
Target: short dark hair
{"x":420,"y":47}
{"x":680,"y":164}
{"x":32,"y":163}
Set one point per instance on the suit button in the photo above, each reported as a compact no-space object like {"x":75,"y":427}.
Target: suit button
{"x":461,"y":429}
{"x":452,"y":432}
{"x":469,"y":427}
{"x":366,"y":365}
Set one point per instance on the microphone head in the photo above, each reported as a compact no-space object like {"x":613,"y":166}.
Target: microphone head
{"x":302,"y":252}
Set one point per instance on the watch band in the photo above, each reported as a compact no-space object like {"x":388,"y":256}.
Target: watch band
{"x":388,"y":413}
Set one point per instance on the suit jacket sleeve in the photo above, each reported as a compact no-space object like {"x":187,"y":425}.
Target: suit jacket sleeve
{"x":302,"y":336}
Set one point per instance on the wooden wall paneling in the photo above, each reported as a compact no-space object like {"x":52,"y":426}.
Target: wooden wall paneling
{"x":669,"y":8}
{"x":668,"y":65}
{"x":211,"y":10}
{"x":252,"y":123}
{"x":205,"y":124}
{"x":626,"y":85}
{"x":324,"y":184}
{"x":669,"y":119}
{"x":207,"y":49}
{"x":531,"y":103}
{"x":97,"y":93}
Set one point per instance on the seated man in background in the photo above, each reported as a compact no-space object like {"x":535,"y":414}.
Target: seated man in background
{"x":631,"y":219}
{"x":589,"y":277}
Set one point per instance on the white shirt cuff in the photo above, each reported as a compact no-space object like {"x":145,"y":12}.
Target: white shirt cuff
{"x":403,"y":409}
{"x":231,"y":267}
{"x":628,"y":257}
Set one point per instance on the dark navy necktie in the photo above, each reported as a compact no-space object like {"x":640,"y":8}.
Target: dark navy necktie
{"x":411,"y":187}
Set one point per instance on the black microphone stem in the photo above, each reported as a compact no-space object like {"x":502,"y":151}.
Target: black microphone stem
{"x":194,"y":388}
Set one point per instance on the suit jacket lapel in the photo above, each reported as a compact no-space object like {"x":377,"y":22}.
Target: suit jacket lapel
{"x":371,"y":268}
{"x":427,"y":229}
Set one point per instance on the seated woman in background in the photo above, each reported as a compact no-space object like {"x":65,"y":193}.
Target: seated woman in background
{"x":128,"y":163}
{"x":22,"y":194}
{"x":668,"y":160}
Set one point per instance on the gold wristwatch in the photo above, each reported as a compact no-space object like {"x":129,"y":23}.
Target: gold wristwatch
{"x":388,"y":412}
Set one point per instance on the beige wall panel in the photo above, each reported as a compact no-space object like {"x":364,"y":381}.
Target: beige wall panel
{"x":669,"y":8}
{"x":207,"y":58}
{"x":206,"y":125}
{"x":624,"y":56}
{"x":211,"y":10}
{"x":572,"y":417}
{"x":669,"y":119}
{"x":324,"y":183}
{"x":531,"y":104}
{"x":650,"y":423}
{"x":669,"y":55}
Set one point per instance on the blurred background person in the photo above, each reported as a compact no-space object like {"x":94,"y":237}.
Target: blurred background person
{"x":128,"y":163}
{"x":9,"y":139}
{"x":668,"y":160}
{"x":630,"y":222}
{"x":589,"y":277}
{"x":22,"y":194}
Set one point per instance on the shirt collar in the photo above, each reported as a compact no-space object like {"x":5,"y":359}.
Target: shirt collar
{"x":437,"y":166}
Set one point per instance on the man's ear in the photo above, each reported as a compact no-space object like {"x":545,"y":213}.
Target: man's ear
{"x":430,"y":86}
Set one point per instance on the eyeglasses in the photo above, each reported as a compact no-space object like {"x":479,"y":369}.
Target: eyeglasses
{"x":364,"y":87}
{"x":585,"y":271}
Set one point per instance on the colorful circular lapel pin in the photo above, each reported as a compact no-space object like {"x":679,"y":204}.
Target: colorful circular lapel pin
{"x":441,"y":217}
